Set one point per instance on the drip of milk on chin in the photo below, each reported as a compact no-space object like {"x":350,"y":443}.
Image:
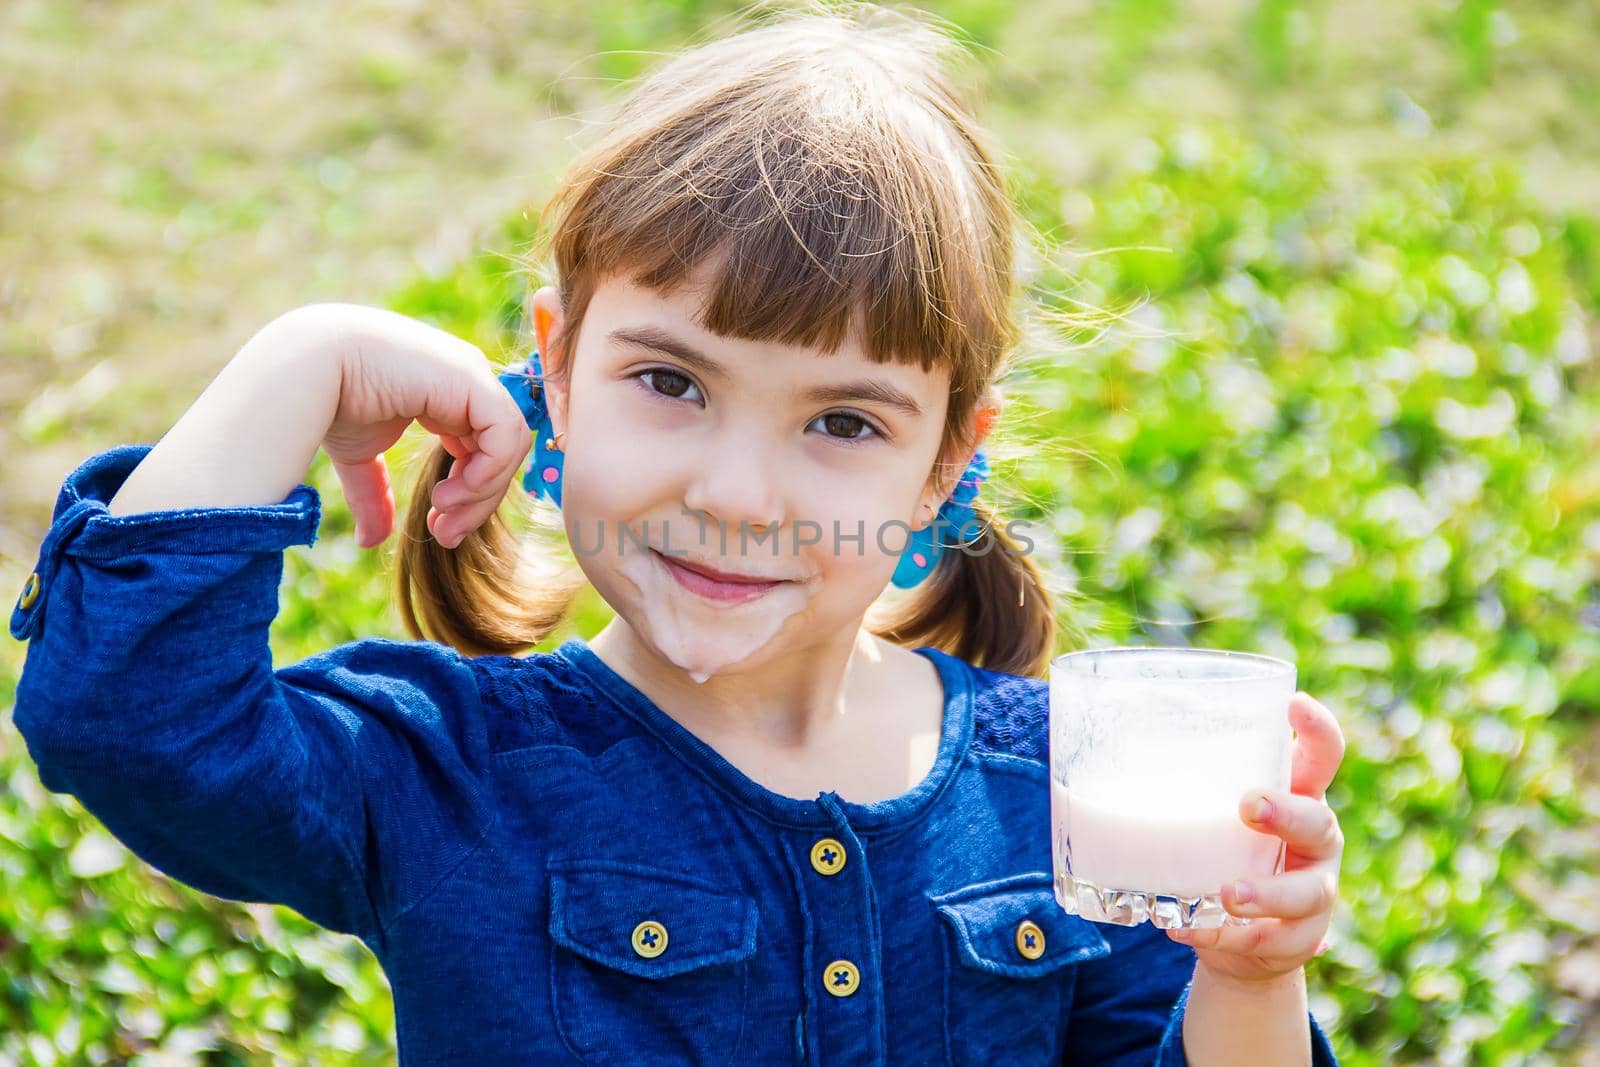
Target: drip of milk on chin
{"x":702,"y":637}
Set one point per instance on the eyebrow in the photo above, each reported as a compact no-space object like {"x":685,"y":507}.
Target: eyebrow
{"x":868,"y":389}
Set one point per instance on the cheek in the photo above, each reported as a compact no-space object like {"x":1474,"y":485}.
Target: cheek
{"x":857,"y":529}
{"x":612,"y":475}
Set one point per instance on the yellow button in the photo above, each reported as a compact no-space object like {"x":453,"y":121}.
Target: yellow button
{"x":841,"y":978}
{"x":649,"y":939}
{"x":827,"y":856}
{"x":1030,"y":939}
{"x":30,"y":591}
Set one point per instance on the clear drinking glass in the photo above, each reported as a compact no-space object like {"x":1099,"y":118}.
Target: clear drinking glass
{"x":1151,"y":750}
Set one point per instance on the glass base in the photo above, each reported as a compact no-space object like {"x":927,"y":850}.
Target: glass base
{"x":1128,"y":908}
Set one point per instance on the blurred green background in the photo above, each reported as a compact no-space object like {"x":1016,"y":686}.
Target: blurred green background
{"x":1353,"y":421}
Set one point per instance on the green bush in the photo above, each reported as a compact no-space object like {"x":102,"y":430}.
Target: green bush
{"x":1354,"y":426}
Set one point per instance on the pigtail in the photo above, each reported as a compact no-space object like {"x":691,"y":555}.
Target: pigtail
{"x":986,"y":603}
{"x":497,"y":592}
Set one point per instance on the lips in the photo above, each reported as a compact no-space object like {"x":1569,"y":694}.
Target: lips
{"x":714,"y":584}
{"x":723,"y":576}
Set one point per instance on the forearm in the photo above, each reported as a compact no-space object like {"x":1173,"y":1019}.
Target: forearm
{"x":1227,"y":1022}
{"x":250,"y":436}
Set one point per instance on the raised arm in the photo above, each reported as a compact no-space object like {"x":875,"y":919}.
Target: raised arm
{"x":347,"y":785}
{"x":351,"y":379}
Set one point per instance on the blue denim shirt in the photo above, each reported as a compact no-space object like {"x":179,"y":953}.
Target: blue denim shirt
{"x":548,"y":867}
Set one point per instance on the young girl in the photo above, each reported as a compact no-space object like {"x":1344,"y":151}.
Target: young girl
{"x":740,"y":824}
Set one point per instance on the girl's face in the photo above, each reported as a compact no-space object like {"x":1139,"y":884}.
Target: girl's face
{"x":753,"y":458}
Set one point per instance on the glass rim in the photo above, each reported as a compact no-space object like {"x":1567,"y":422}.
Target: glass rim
{"x":1072,"y":661}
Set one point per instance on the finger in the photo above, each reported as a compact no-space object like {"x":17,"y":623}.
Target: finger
{"x":465,"y":508}
{"x":459,"y":443}
{"x":456,"y":511}
{"x":1318,"y":748}
{"x":371,"y":500}
{"x":1275,"y":939}
{"x":468,"y":517}
{"x":504,"y":438}
{"x":450,"y":528}
{"x":488,"y":441}
{"x":1309,"y":826}
{"x":436,"y":527}
{"x":455,"y":445}
{"x":1295,"y":895}
{"x":450,"y":492}
{"x":492,"y":436}
{"x":440,"y":508}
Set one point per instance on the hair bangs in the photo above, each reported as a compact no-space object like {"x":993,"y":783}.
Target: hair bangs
{"x":805,"y":227}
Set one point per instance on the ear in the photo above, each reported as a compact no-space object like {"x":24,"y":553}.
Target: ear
{"x":942,"y":483}
{"x":544,"y":306}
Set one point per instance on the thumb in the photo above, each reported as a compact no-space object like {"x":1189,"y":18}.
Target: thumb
{"x":371,"y":499}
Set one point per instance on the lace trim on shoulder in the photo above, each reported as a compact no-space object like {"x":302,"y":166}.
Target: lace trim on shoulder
{"x":1012,"y":715}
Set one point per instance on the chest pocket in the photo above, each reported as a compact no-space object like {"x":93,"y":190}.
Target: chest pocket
{"x":1008,"y":950}
{"x":647,"y":965}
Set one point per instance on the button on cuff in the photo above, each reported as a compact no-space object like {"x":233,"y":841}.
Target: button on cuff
{"x":25,"y":613}
{"x":82,"y":526}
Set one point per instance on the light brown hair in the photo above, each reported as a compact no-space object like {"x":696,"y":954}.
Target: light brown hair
{"x":826,"y":161}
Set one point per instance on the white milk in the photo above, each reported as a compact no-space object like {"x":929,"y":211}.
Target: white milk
{"x":702,"y":637}
{"x":1159,"y":841}
{"x":1147,"y":778}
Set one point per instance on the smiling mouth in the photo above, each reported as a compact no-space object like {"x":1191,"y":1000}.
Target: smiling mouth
{"x":716,"y":585}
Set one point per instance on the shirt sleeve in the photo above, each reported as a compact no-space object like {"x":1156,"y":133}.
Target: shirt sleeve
{"x":1127,"y":1008}
{"x":345,"y":786}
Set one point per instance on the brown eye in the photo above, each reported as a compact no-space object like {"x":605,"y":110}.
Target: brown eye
{"x":677,"y":385}
{"x":843,"y":426}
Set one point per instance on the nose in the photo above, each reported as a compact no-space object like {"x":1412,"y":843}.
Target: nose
{"x":737,"y":483}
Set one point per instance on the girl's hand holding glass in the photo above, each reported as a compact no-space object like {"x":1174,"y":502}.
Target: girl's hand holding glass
{"x":393,"y":369}
{"x":1291,"y":911}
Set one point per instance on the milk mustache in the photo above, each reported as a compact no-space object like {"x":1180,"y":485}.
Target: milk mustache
{"x":701,"y":637}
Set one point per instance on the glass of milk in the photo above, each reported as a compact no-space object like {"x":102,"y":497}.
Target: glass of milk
{"x":1151,"y":751}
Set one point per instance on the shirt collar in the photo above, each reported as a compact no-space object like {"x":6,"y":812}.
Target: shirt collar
{"x":954,"y":740}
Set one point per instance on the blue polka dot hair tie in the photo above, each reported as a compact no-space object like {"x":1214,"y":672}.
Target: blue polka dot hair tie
{"x":525,"y":381}
{"x":956,"y":516}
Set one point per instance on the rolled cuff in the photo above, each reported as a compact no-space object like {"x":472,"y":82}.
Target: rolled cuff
{"x":81,"y":525}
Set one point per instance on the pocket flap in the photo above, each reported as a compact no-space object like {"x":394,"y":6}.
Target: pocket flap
{"x":597,"y":906}
{"x":988,"y":916}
